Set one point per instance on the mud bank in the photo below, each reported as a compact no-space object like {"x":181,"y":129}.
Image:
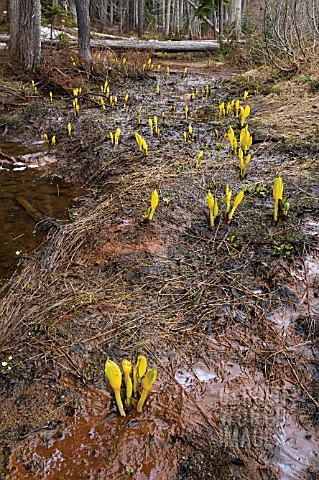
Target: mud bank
{"x":228,"y":315}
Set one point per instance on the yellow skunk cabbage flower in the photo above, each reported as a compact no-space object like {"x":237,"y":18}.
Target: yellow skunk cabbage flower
{"x":199,"y":156}
{"x":186,"y":111}
{"x":156,"y":125}
{"x":134,"y":381}
{"x":237,"y":201}
{"x":242,"y":166}
{"x":112,"y":138}
{"x":53,"y":140}
{"x":127,"y":368}
{"x":46,"y":138}
{"x":221,"y":110}
{"x":229,"y":108}
{"x":144,"y":146}
{"x":190,"y":130}
{"x":185,"y":72}
{"x":114,"y":376}
{"x":141,"y":362}
{"x":185,"y":136}
{"x":245,"y":95}
{"x":237,"y":107}
{"x":117,"y":136}
{"x":167,"y":71}
{"x":243,"y":114}
{"x":247,"y":159}
{"x":150,"y":122}
{"x":228,"y":198}
{"x":159,"y":67}
{"x":232,"y":140}
{"x":138,"y":139}
{"x":213,"y":208}
{"x":158,"y":91}
{"x":230,"y":134}
{"x":147,"y":384}
{"x":278,"y":191}
{"x":69,"y":129}
{"x":141,"y":143}
{"x":51,"y":97}
{"x":246,"y":139}
{"x":234,"y":146}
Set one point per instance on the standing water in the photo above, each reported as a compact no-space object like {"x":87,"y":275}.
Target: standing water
{"x":27,"y":195}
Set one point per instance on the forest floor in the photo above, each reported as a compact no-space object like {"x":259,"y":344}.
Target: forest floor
{"x":229,"y":315}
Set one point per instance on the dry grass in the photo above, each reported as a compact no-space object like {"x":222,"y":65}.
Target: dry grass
{"x":109,"y":284}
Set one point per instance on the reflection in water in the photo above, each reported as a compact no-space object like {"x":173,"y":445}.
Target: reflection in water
{"x":48,"y":195}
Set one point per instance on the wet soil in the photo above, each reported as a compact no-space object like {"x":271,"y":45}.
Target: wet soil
{"x":228,"y":315}
{"x":28,"y":175}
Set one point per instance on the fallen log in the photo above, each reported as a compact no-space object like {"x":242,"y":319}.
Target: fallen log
{"x":43,"y":221}
{"x":30,"y":209}
{"x":135,"y":44}
{"x":159,"y":46}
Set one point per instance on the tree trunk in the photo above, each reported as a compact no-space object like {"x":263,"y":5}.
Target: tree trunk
{"x":130,"y":20}
{"x":235,"y":17}
{"x":221,"y":16}
{"x":83,"y":16}
{"x":14,"y":27}
{"x":167,"y":19}
{"x":140,"y":17}
{"x":71,"y":8}
{"x":25,"y":33}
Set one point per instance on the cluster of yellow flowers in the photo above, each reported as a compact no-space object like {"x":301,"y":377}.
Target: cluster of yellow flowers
{"x":140,"y":375}
{"x":213,"y":205}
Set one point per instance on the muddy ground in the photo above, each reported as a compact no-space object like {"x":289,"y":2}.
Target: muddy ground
{"x":228,"y":315}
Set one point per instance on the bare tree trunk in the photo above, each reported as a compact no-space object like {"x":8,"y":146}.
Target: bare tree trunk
{"x":130,"y":22}
{"x":120,"y":16}
{"x":72,"y":8}
{"x":25,"y":28}
{"x":167,"y":19}
{"x":140,"y":17}
{"x":221,"y":16}
{"x":103,"y":13}
{"x":83,"y":16}
{"x":14,"y":27}
{"x":235,"y":17}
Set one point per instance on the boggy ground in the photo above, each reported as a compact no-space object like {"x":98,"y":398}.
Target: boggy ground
{"x":228,"y":315}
